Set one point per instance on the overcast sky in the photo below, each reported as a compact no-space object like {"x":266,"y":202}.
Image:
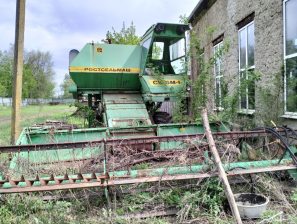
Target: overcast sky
{"x":61,"y":25}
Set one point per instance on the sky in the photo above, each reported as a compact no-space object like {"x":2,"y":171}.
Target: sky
{"x":61,"y":25}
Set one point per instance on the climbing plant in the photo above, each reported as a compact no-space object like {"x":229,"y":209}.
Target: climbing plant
{"x":269,"y":105}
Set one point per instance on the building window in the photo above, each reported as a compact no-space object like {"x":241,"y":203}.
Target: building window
{"x":290,"y":55}
{"x":247,"y":66}
{"x":218,"y":73}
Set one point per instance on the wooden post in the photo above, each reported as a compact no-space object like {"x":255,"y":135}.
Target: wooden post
{"x":221,"y":171}
{"x":18,"y":71}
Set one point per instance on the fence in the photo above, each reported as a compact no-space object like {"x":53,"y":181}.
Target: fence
{"x":26,"y":102}
{"x":166,"y":106}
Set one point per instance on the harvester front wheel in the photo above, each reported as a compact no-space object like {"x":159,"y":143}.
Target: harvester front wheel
{"x":162,"y":118}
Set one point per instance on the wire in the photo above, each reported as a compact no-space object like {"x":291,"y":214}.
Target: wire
{"x":287,"y":133}
{"x":274,"y":132}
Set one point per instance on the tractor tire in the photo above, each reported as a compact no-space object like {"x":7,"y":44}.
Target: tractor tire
{"x":162,"y":118}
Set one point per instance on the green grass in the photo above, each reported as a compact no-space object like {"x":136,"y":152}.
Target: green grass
{"x":5,"y":130}
{"x":29,"y":110}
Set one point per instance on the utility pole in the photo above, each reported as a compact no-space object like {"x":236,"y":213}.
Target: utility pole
{"x":18,"y":70}
{"x":221,"y":171}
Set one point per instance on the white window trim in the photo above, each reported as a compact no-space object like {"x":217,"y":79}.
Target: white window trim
{"x":244,"y":110}
{"x":220,"y":108}
{"x":287,"y":114}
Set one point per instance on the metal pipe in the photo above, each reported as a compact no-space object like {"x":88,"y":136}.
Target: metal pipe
{"x":139,"y":140}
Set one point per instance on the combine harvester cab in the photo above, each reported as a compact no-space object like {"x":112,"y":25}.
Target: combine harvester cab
{"x":125,"y":86}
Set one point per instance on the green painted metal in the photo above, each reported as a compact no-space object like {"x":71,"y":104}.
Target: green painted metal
{"x":176,"y":129}
{"x":125,"y":110}
{"x":197,"y":169}
{"x":113,"y":57}
{"x":174,"y":83}
{"x":160,"y":97}
{"x":293,"y":173}
{"x":73,"y":88}
{"x":177,"y":170}
{"x":41,"y":136}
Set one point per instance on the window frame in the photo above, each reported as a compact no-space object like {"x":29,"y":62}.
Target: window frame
{"x":291,"y":114}
{"x":247,"y":110}
{"x":219,"y":44}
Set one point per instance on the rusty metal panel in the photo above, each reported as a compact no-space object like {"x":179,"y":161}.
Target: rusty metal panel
{"x":168,"y":107}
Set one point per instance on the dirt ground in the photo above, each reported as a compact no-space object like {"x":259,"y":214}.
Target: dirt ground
{"x":7,"y":119}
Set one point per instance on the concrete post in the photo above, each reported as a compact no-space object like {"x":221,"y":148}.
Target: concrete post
{"x":18,"y":71}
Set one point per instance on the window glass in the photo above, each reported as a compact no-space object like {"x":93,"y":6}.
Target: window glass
{"x":242,"y":45}
{"x":291,"y":27}
{"x":146,"y":44}
{"x":158,"y":49}
{"x":251,"y":45}
{"x":219,"y":59}
{"x":251,"y":90}
{"x":291,"y":81}
{"x":201,"y":62}
{"x":178,"y":65}
{"x":243,"y":91}
{"x":177,"y":49}
{"x":246,"y":66}
{"x":218,"y":94}
{"x":218,"y":72}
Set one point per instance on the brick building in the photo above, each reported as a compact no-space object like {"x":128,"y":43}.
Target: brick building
{"x":265,"y":34}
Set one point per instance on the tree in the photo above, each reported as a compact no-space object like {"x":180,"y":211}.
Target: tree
{"x":125,"y":36}
{"x":128,"y":37}
{"x":6,"y":72}
{"x":65,"y":86}
{"x":41,"y":65}
{"x":37,"y":74}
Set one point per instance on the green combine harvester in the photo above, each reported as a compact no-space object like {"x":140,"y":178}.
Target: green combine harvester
{"x":126,"y":86}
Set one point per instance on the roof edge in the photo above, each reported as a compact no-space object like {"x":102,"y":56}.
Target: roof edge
{"x":202,"y":6}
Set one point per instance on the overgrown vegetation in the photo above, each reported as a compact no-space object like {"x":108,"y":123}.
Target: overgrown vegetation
{"x":194,"y":200}
{"x":126,"y":36}
{"x":67,"y":82}
{"x":224,"y":100}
